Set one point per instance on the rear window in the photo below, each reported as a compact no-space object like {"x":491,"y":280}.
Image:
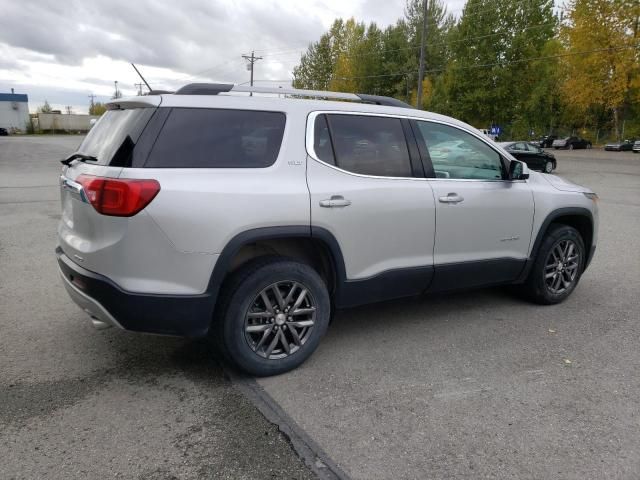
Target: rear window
{"x":218,"y":138}
{"x":113,"y":137}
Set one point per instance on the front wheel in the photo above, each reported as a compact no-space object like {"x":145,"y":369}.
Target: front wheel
{"x":274,"y":312}
{"x":557,"y":267}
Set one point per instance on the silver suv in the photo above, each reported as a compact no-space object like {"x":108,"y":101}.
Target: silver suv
{"x":252,"y":218}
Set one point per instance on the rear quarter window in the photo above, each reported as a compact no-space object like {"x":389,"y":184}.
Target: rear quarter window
{"x":113,"y":138}
{"x":218,"y":138}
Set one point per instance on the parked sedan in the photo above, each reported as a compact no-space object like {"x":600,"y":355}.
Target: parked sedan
{"x":626,"y":145}
{"x":533,"y":156}
{"x":571,"y":143}
{"x":636,"y":147}
{"x":3,"y":132}
{"x":545,"y":141}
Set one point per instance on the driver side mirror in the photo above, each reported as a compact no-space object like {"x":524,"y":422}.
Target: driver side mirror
{"x":518,"y":170}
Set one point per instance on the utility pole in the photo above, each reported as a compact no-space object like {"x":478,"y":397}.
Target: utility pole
{"x":117,"y":93}
{"x":68,"y":108}
{"x":92,"y":104}
{"x":425,"y":4}
{"x":252,"y":59}
{"x":139,"y":86}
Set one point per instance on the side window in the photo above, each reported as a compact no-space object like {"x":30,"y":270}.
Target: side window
{"x":322,"y":140}
{"x":216,"y":138}
{"x":457,"y":154}
{"x":370,"y":145}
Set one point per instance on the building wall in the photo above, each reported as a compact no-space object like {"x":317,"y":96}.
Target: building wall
{"x":63,"y":122}
{"x":14,"y":115}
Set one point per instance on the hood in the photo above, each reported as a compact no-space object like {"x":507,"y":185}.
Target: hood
{"x":564,"y":185}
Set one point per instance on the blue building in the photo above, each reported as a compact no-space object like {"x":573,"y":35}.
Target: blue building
{"x":14,"y":111}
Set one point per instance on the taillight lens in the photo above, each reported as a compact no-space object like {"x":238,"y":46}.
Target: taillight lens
{"x":119,"y":197}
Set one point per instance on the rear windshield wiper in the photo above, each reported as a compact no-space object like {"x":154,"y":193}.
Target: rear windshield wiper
{"x":78,"y":156}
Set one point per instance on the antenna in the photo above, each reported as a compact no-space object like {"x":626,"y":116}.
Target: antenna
{"x":138,"y":72}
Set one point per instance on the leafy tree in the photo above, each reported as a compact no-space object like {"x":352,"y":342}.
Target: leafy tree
{"x":602,"y":70}
{"x":491,"y":75}
{"x":45,"y":108}
{"x":97,"y":108}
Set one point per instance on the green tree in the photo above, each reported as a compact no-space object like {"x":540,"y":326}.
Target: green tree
{"x":492,"y":72}
{"x":45,"y":108}
{"x":97,"y":108}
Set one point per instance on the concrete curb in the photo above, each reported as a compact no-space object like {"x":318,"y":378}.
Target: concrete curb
{"x":309,"y":451}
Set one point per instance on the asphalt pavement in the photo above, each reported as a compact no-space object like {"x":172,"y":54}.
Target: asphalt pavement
{"x":482,"y":384}
{"x":76,"y":403}
{"x":471,"y":385}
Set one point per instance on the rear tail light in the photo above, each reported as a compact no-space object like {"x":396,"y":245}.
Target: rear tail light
{"x":119,"y":197}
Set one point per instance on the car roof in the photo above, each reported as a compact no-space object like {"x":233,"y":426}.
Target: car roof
{"x":272,"y":102}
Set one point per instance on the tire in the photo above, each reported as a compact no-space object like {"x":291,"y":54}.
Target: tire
{"x":540,"y":289}
{"x":278,"y":342}
{"x":548,"y":167}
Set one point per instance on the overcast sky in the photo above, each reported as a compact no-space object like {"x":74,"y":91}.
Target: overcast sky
{"x":63,"y":51}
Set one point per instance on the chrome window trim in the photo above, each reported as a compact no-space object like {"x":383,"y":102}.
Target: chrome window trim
{"x":309,"y":141}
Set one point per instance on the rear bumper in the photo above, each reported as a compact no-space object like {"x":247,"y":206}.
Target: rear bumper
{"x":109,"y":305}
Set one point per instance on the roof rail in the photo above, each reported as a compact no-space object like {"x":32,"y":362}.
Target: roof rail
{"x":216,"y":88}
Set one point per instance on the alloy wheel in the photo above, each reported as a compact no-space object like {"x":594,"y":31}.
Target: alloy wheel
{"x":280,"y":320}
{"x":561,"y":267}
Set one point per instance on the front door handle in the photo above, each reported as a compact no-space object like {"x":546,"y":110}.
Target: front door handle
{"x":335,"y":201}
{"x":451,"y":198}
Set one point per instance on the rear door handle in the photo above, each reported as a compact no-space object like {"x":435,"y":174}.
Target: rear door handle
{"x":451,"y":198}
{"x":336,"y":201}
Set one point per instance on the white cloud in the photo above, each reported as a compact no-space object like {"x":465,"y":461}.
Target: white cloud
{"x":73,"y":48}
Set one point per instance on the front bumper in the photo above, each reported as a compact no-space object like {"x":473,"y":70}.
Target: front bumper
{"x":108,"y":305}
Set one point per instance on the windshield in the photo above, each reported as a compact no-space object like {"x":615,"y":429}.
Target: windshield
{"x":112,"y":138}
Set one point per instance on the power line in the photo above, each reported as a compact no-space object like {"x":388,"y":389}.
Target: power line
{"x":522,"y":60}
{"x":444,"y":41}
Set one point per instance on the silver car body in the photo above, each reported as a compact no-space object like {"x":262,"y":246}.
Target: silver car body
{"x":172,"y":246}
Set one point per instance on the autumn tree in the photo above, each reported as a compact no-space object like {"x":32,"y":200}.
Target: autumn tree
{"x":602,"y":67}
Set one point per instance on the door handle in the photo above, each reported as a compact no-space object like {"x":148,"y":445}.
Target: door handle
{"x":335,"y":201}
{"x":451,"y":198}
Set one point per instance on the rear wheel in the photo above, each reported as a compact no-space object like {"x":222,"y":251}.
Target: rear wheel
{"x":548,"y":167}
{"x":557,"y":267}
{"x":274,"y":312}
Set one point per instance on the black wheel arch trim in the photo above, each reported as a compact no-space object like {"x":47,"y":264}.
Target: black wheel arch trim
{"x":551,"y":217}
{"x":223,"y":264}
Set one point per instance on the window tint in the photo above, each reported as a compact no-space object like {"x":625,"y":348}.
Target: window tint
{"x":322,"y":140}
{"x":113,"y":137}
{"x":370,"y":145}
{"x":458,"y":154}
{"x":214,"y":138}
